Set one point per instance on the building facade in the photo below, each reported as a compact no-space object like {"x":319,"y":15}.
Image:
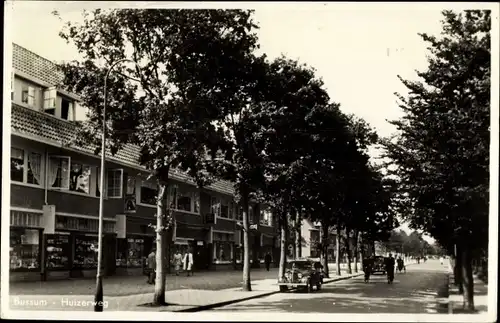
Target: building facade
{"x":55,"y":195}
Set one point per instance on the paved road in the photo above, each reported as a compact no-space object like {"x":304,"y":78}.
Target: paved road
{"x":132,"y":285}
{"x":415,"y":291}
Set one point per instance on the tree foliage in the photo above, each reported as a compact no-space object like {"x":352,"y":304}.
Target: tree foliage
{"x":441,"y":152}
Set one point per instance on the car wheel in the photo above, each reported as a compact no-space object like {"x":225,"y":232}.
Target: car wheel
{"x":283,"y":289}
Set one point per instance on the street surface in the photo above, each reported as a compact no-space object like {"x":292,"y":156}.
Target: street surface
{"x":133,"y":285}
{"x":417,"y":291}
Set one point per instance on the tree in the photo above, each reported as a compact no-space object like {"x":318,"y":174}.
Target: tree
{"x":288,"y":100}
{"x":185,"y":88}
{"x":441,"y":153}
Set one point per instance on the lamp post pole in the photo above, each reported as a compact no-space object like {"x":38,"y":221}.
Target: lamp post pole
{"x":99,"y":295}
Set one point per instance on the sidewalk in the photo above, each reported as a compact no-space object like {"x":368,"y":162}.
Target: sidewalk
{"x":184,"y":300}
{"x":455,"y":300}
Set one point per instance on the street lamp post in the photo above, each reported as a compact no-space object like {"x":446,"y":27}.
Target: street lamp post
{"x":98,"y":297}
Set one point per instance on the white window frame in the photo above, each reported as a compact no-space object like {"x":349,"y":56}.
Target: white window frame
{"x":26,"y":153}
{"x":220,"y":202}
{"x":71,"y":108}
{"x":69,"y":170}
{"x":108,"y":172}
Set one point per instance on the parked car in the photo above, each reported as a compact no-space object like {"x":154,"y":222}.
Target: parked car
{"x":301,"y":274}
{"x":378,"y":265}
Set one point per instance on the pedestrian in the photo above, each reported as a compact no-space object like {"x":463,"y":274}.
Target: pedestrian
{"x":441,"y":260}
{"x":267,"y":260}
{"x":177,"y":262}
{"x":188,"y":262}
{"x":367,"y":268}
{"x":390,"y":263}
{"x":152,"y":266}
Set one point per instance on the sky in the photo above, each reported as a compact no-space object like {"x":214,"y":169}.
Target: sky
{"x":357,"y":49}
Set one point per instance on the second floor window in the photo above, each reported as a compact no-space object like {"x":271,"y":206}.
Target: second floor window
{"x":25,"y":166}
{"x":221,"y":208}
{"x":266,"y":216}
{"x":28,"y":95}
{"x":59,"y":172}
{"x":149,"y":192}
{"x":186,"y":200}
{"x":80,"y":178}
{"x":115,"y":183}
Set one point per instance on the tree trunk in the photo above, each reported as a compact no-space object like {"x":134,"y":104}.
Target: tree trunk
{"x":337,"y":251}
{"x":348,"y":251}
{"x":298,"y":237}
{"x":247,"y":286}
{"x":373,"y":248}
{"x":356,"y":250}
{"x":324,"y":249}
{"x":283,"y":245}
{"x":457,"y":272}
{"x":160,"y":282}
{"x":467,"y":278}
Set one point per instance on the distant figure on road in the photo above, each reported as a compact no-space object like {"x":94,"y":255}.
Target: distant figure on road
{"x":367,"y":268}
{"x":188,"y":262}
{"x":267,"y":260}
{"x":390,"y":265}
{"x":401,"y":265}
{"x":152,"y":266}
{"x":441,"y":260}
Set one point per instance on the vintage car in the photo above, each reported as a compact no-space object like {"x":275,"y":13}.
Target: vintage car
{"x":378,"y":265}
{"x":301,"y":274}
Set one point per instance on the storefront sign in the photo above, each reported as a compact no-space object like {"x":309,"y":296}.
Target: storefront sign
{"x":199,"y":243}
{"x":82,"y":224}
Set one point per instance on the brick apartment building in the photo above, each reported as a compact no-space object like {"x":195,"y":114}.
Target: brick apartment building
{"x":55,"y":195}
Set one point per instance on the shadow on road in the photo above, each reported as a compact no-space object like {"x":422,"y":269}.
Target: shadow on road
{"x":416,"y":293}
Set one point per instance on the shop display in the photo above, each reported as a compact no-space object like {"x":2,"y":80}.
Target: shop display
{"x":58,"y":249}
{"x":24,"y":249}
{"x":85,"y":253}
{"x":121,"y":253}
{"x":135,"y":252}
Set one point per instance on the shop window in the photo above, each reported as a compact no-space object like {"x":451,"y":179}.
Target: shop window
{"x":115,"y":183}
{"x":79,"y":178}
{"x":24,"y":249}
{"x":223,"y":246}
{"x":121,"y":253}
{"x":149,"y":193}
{"x":59,"y":172}
{"x":25,"y":166}
{"x":85,"y":256}
{"x":135,"y":252}
{"x":58,"y":251}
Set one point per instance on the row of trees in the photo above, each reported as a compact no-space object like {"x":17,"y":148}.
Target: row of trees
{"x":202,"y":101}
{"x":440,"y":157}
{"x":411,"y":245}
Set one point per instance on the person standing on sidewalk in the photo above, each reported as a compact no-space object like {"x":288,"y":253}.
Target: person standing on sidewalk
{"x":188,"y":262}
{"x":152,"y":266}
{"x":177,"y":262}
{"x":267,"y":260}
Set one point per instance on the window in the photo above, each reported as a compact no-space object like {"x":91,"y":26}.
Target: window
{"x":66,"y":109}
{"x":28,"y":95}
{"x":49,"y":101}
{"x":184,"y":201}
{"x":130,"y":185}
{"x":149,"y":192}
{"x":25,"y":167}
{"x":24,"y":249}
{"x":266,"y":216}
{"x":115,"y":183}
{"x":59,"y":172}
{"x":16,"y":165}
{"x":221,"y":208}
{"x":80,"y":178}
{"x":223,"y":246}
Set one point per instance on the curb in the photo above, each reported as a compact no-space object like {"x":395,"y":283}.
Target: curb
{"x":234,"y":301}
